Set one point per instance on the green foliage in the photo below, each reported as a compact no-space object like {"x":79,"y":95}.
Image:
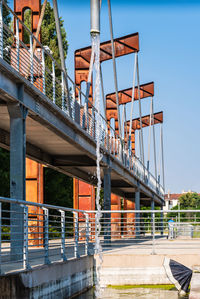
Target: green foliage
{"x":4,"y":173}
{"x":6,"y":15}
{"x":189,"y":201}
{"x":49,"y":36}
{"x":58,"y":188}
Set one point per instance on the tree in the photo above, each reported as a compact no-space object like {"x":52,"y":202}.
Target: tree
{"x":189,"y":201}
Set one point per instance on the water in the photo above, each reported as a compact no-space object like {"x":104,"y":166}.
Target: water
{"x":98,"y":247}
{"x":141,"y":293}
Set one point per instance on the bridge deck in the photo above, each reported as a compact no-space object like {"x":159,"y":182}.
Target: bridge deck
{"x":55,"y":139}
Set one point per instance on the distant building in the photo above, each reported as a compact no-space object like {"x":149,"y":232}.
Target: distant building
{"x":171,"y":199}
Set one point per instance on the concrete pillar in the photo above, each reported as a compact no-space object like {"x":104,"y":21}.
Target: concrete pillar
{"x":137,"y":207}
{"x":107,"y":204}
{"x":152,"y":208}
{"x":18,"y":115}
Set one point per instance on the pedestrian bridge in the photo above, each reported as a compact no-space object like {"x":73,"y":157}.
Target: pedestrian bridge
{"x":40,"y":120}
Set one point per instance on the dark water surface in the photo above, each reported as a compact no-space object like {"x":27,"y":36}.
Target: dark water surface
{"x":141,"y":293}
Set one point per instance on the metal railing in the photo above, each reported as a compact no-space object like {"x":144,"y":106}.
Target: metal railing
{"x":33,"y":234}
{"x":45,"y":74}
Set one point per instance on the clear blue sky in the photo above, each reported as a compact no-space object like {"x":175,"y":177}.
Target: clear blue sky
{"x":169,"y":55}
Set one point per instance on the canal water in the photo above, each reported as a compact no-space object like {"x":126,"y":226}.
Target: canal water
{"x":140,"y":293}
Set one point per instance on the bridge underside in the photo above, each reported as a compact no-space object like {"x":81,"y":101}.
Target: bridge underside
{"x":57,"y":141}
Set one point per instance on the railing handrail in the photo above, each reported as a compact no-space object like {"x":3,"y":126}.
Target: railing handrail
{"x":53,"y":207}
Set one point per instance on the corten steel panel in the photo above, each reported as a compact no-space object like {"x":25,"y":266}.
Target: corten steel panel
{"x":115,"y":217}
{"x":34,"y":193}
{"x":123,"y":45}
{"x":129,"y":219}
{"x":157,"y":118}
{"x":125,"y":95}
{"x":20,"y":6}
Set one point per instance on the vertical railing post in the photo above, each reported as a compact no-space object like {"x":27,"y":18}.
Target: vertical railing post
{"x":54,"y":82}
{"x":17,"y":43}
{"x":63,"y":91}
{"x":46,"y":236}
{"x":1,"y":29}
{"x":63,"y":235}
{"x":31,"y":58}
{"x":43,"y":72}
{"x":76,"y":235}
{"x":25,"y":248}
{"x":153,"y":235}
{"x":87,"y":237}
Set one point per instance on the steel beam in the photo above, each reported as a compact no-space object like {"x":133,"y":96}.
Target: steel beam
{"x":18,"y":115}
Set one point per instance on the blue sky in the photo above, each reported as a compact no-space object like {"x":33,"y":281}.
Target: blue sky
{"x":169,"y":55}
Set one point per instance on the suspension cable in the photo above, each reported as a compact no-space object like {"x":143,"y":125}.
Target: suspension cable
{"x":149,"y":141}
{"x":140,"y":112}
{"x":154,"y":143}
{"x":132,"y":101}
{"x":114,"y":66}
{"x":162,"y":153}
{"x":102,"y":91}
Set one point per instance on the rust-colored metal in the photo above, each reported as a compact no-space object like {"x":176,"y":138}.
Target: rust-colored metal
{"x":125,"y":96}
{"x":157,"y":118}
{"x":115,"y":217}
{"x":20,"y":7}
{"x":84,"y":199}
{"x":123,"y":45}
{"x":129,"y":219}
{"x":34,"y":193}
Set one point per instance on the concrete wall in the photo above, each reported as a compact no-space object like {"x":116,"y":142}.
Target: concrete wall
{"x":128,"y":269}
{"x":62,"y":279}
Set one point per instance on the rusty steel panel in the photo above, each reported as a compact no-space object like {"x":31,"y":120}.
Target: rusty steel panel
{"x":123,"y":45}
{"x":35,"y":6}
{"x":157,"y":118}
{"x":125,"y":95}
{"x":129,"y":218}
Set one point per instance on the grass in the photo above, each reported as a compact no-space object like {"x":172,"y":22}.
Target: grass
{"x":196,"y":234}
{"x":144,"y":286}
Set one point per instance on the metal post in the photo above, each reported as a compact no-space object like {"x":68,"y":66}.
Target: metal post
{"x":153,"y":236}
{"x":87,"y":237}
{"x":1,"y":29}
{"x":76,"y":235}
{"x":46,"y":236}
{"x":43,"y":72}
{"x":152,"y":208}
{"x":54,"y":82}
{"x":63,"y":92}
{"x":63,"y":235}
{"x":18,"y":115}
{"x":25,"y":251}
{"x":31,"y":59}
{"x":17,"y":43}
{"x":161,"y":220}
{"x":107,"y":204}
{"x":137,"y":207}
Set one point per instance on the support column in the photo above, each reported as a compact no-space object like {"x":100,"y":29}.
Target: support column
{"x":152,"y":208}
{"x":107,"y":204}
{"x":137,"y":207}
{"x":18,"y":115}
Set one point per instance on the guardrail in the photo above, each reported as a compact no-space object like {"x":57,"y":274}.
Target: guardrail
{"x":45,"y":74}
{"x":33,"y":234}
